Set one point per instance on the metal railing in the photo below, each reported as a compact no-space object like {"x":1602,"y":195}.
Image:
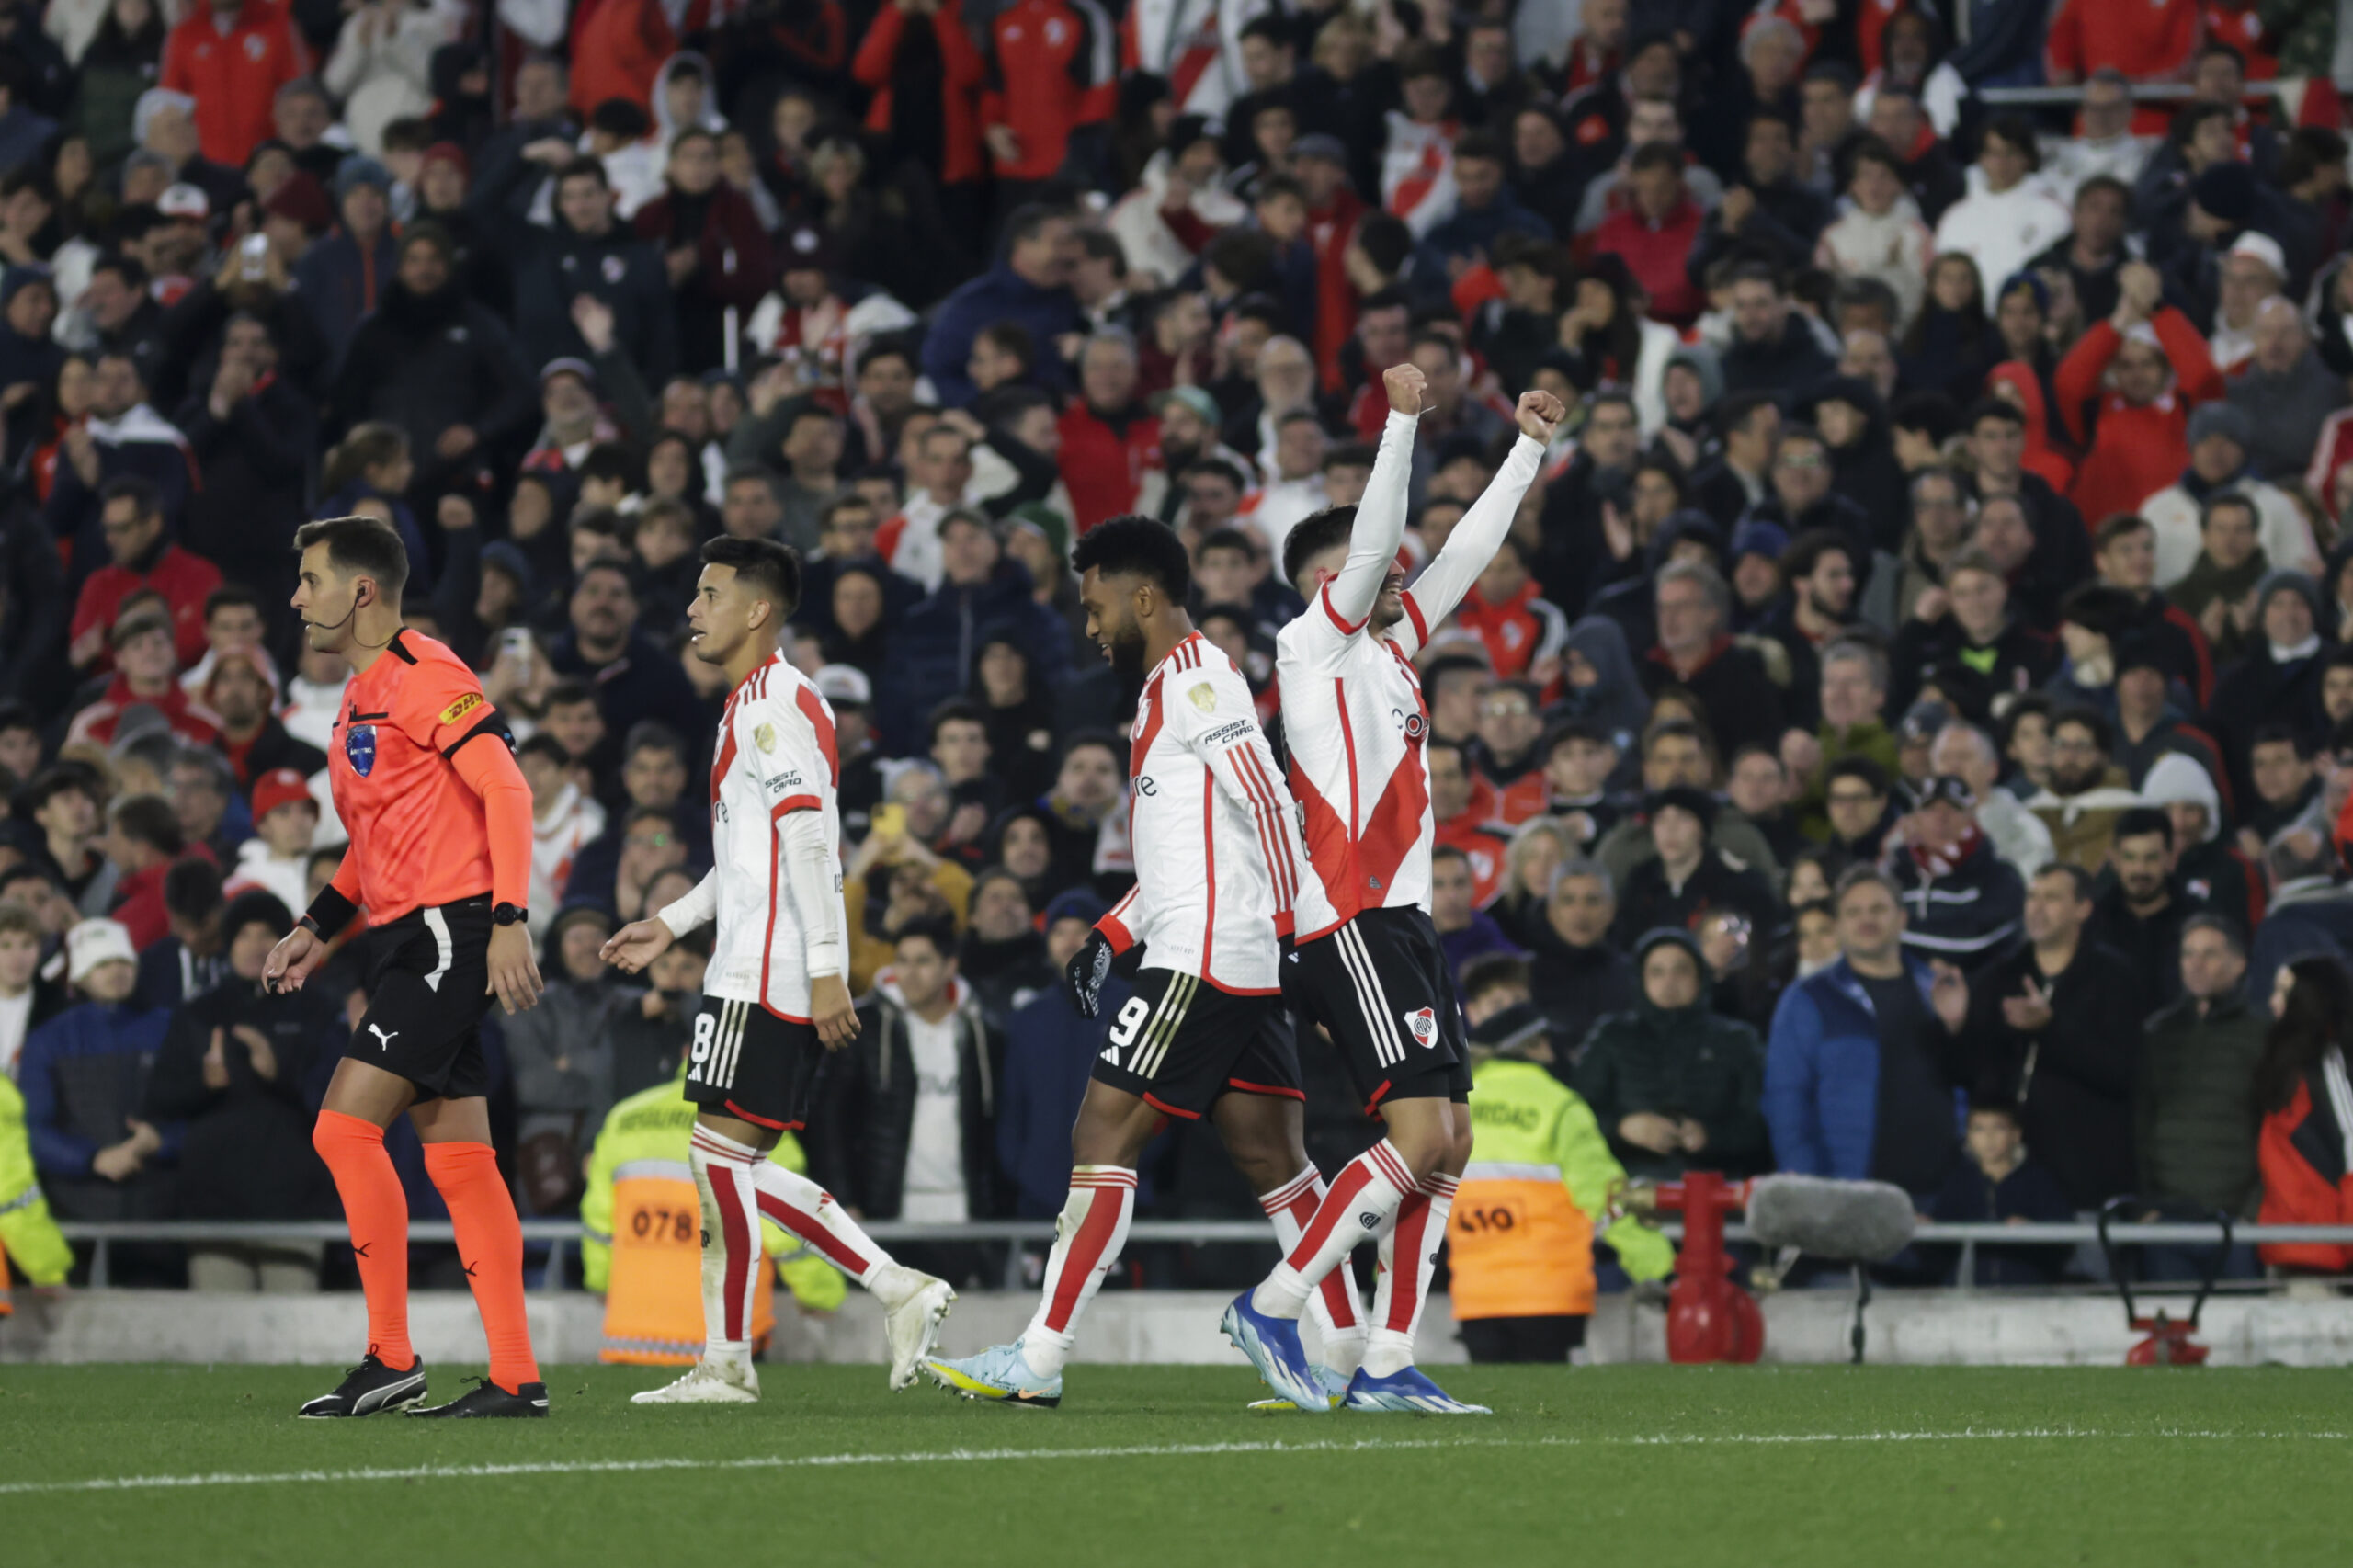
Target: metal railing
{"x":560,"y":1235}
{"x":2142,"y":93}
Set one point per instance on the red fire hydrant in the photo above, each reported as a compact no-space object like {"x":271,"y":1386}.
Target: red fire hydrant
{"x":2171,"y":1342}
{"x":1709,"y":1318}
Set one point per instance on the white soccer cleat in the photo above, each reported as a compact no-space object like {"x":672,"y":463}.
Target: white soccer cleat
{"x":913,"y":1306}
{"x":707,"y":1382}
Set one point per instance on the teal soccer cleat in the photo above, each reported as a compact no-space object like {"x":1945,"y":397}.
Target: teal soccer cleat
{"x":999,"y":1375}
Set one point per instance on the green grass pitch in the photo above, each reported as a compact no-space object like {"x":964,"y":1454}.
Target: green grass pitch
{"x":1812,"y":1467}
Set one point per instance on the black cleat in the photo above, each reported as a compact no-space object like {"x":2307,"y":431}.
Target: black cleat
{"x":371,"y":1389}
{"x":487,"y":1399}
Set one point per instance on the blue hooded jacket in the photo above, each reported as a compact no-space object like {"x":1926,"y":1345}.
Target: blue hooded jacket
{"x":1822,"y":1074}
{"x":75,"y":1097}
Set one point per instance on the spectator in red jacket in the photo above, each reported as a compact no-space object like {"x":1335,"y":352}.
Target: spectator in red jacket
{"x":1653,"y":233}
{"x":143,"y":840}
{"x":2149,"y":40}
{"x":944,"y":137}
{"x":713,"y":246}
{"x":2137,"y":438}
{"x":1052,"y":69}
{"x":1520,"y":629}
{"x":618,"y":50}
{"x":232,"y":56}
{"x":146,"y":675}
{"x":2304,"y":1150}
{"x":1109,"y":439}
{"x":1319,"y":163}
{"x":132,"y":517}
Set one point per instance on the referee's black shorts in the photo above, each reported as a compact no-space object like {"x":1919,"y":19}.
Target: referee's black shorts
{"x":426,"y":1000}
{"x":1380,"y":984}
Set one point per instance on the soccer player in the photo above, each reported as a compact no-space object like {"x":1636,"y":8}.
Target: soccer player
{"x":775,"y":995}
{"x":1206,"y":1033}
{"x":1371,"y":968}
{"x":424,"y":775}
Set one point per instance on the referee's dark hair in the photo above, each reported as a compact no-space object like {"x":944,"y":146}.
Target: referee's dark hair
{"x":772,"y":570}
{"x":360,"y":547}
{"x":1136,"y":546}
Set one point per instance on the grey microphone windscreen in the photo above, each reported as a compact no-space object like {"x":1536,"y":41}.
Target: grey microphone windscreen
{"x":1854,"y":1221}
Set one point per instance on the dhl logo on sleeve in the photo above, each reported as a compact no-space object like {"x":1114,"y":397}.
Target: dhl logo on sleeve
{"x":459,"y":708}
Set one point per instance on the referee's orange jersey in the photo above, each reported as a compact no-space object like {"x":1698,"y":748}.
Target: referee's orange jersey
{"x":418,"y":836}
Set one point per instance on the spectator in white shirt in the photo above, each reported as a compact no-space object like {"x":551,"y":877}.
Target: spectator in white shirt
{"x":276,"y":859}
{"x":2009,"y":213}
{"x":565,"y":820}
{"x":2254,"y":269}
{"x":2106,"y":144}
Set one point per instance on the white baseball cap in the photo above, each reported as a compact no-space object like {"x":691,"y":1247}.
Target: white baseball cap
{"x":94,"y":942}
{"x":2264,"y":248}
{"x":185,"y":200}
{"x":844,"y":684}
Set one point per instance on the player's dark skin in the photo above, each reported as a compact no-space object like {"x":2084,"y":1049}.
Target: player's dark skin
{"x":1264,"y":1133}
{"x":735,"y":628}
{"x":370,"y":620}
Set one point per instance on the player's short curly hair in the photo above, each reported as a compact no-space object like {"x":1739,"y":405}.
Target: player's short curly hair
{"x":1136,"y":546}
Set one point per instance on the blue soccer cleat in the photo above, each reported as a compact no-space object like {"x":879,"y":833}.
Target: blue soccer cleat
{"x":1335,"y":1389}
{"x":999,"y":1375}
{"x":1407,"y":1391}
{"x":1272,"y":1344}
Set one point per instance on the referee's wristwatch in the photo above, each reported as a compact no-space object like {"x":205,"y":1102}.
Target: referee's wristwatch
{"x":509,"y":915}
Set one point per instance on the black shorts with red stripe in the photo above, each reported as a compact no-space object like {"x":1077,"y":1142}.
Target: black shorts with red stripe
{"x":1180,"y":1042}
{"x":1380,"y":986}
{"x":753,"y":1064}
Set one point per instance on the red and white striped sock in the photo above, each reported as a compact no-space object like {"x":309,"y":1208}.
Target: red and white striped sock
{"x":809,"y":1211}
{"x":731,"y":1240}
{"x":1339,"y":1315}
{"x":1088,"y":1234}
{"x":1367,"y":1189}
{"x":1408,"y":1258}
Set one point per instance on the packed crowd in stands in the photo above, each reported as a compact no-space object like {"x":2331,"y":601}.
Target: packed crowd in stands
{"x":1903,"y":735}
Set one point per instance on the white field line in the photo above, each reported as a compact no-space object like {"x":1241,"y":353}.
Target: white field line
{"x":1149,"y":1450}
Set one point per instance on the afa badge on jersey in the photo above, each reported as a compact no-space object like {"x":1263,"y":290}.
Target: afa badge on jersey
{"x":360,"y":748}
{"x":764,"y":737}
{"x":1204,"y":696}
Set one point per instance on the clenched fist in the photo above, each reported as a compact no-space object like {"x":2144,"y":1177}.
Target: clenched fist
{"x":1404,"y":384}
{"x":1539,"y":413}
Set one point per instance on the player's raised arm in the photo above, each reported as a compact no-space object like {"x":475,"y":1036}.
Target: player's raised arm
{"x":1473,"y":543}
{"x":1381,"y":515}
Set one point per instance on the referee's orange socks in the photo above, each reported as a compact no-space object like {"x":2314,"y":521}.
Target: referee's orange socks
{"x":490,"y":1243}
{"x":377,"y":1210}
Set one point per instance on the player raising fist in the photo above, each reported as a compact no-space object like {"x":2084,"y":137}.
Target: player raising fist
{"x":1371,"y":969}
{"x":776,"y":997}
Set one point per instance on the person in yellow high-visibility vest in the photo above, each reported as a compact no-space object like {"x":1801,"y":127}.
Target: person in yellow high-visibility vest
{"x":642,"y":1242}
{"x":29,"y":1237}
{"x":1521,"y":1235}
